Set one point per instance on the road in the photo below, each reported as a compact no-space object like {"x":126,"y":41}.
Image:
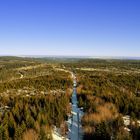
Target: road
{"x":74,"y":124}
{"x":74,"y":121}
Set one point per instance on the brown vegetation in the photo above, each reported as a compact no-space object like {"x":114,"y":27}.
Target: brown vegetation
{"x":30,"y":135}
{"x":105,"y":112}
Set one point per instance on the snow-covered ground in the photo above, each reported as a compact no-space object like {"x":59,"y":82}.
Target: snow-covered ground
{"x":126,"y":120}
{"x":57,"y":136}
{"x":74,"y":122}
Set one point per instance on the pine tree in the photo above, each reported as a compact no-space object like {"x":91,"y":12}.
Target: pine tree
{"x":5,"y":133}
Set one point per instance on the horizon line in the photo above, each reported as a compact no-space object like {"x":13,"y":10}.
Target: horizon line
{"x":73,"y":56}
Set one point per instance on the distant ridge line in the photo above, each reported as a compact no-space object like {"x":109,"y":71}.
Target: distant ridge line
{"x":80,"y":57}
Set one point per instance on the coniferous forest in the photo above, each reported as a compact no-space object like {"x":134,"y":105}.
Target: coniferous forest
{"x":109,"y":91}
{"x":35,"y":97}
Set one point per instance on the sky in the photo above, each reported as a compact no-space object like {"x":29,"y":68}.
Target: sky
{"x":70,"y":27}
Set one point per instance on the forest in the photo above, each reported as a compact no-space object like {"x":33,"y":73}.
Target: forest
{"x":32,"y":99}
{"x":35,"y":95}
{"x":108,"y":90}
{"x":33,"y":117}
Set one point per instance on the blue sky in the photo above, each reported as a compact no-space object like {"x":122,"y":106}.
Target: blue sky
{"x":70,"y":27}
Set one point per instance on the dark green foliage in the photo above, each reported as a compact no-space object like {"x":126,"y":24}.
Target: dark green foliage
{"x":113,"y":81}
{"x":119,"y":90}
{"x":46,"y":110}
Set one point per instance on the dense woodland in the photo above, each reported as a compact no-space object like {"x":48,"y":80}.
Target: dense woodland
{"x":108,"y":90}
{"x":35,"y":96}
{"x":35,"y":114}
{"x":41,"y":83}
{"x":26,"y":116}
{"x":120,"y":90}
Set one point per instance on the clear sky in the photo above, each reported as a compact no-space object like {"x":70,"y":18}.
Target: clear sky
{"x":70,"y":27}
